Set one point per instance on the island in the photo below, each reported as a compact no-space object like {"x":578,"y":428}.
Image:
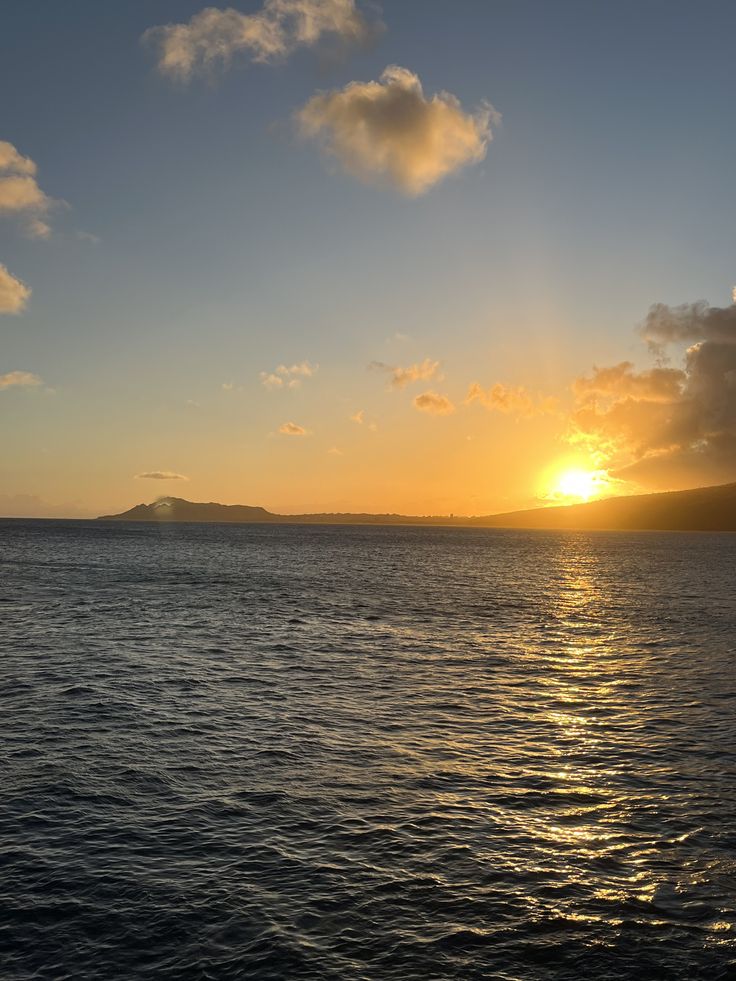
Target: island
{"x":700,"y":509}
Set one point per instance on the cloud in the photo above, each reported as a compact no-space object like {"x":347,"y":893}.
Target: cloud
{"x":667,"y":424}
{"x":20,"y":194}
{"x":513,"y":400}
{"x":288,"y":376}
{"x":433,"y":402}
{"x":160,"y":475}
{"x":400,"y":377}
{"x":213,"y":37}
{"x":335,"y":451}
{"x":13,"y":293}
{"x":358,"y":417}
{"x":388,"y":133}
{"x":292,"y":429}
{"x":20,"y":379}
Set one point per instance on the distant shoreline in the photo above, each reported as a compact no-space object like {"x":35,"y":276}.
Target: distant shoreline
{"x":700,"y":509}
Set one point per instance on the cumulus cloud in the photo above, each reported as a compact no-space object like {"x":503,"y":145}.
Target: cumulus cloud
{"x":511,"y":399}
{"x":389,"y":133}
{"x":400,"y":377}
{"x":288,"y":376}
{"x":292,"y":429}
{"x":13,"y":293}
{"x":213,"y":37}
{"x":433,"y":402}
{"x":667,"y":425}
{"x":20,"y":194}
{"x":20,"y":379}
{"x":160,"y":475}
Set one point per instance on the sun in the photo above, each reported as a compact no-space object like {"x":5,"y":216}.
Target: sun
{"x":579,"y":484}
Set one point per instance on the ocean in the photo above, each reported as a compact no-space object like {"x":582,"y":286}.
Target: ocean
{"x":289,"y":752}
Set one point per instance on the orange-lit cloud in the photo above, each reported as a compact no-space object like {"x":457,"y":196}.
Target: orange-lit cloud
{"x":400,"y":377}
{"x":20,"y":194}
{"x":387,"y":132}
{"x":160,"y":475}
{"x":434,"y":403}
{"x":213,"y":37}
{"x":13,"y":293}
{"x":20,"y":379}
{"x":667,"y":425}
{"x":292,"y":429}
{"x":510,"y":399}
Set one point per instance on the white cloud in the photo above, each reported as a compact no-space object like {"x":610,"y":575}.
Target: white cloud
{"x":213,"y":37}
{"x":13,"y":293}
{"x":433,"y":402}
{"x":160,"y":475}
{"x":292,"y":429}
{"x":20,"y":194}
{"x":288,"y":376}
{"x":388,"y":132}
{"x":20,"y":379}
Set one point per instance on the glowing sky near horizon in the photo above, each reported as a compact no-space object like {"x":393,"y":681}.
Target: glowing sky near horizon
{"x":320,"y":256}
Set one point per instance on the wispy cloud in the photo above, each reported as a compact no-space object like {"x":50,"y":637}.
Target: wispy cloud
{"x":160,"y":475}
{"x":213,"y":37}
{"x":20,"y":379}
{"x":359,"y":418}
{"x":288,"y":376}
{"x":292,"y":429}
{"x":400,"y":377}
{"x":513,"y":400}
{"x":14,"y":294}
{"x":388,"y":132}
{"x":434,"y":403}
{"x":20,"y":194}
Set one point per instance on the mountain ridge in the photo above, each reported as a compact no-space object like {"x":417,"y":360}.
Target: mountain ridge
{"x":698,"y":509}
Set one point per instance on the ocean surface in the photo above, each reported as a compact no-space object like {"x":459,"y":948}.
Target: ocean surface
{"x":366,"y":753}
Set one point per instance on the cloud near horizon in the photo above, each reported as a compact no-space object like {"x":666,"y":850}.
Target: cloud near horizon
{"x":288,"y":376}
{"x":389,"y":133}
{"x":214,"y":36}
{"x":513,"y":400}
{"x":160,"y":475}
{"x":434,"y":403}
{"x":20,"y":194}
{"x":20,"y":379}
{"x":292,"y":429}
{"x":666,"y":425}
{"x":14,"y":294}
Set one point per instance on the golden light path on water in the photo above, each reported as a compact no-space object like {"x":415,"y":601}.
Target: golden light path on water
{"x":371,"y":752}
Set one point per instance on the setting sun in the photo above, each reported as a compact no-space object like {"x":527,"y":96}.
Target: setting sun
{"x":579,"y":484}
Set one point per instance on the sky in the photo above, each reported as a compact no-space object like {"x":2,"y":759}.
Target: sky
{"x":323,"y":255}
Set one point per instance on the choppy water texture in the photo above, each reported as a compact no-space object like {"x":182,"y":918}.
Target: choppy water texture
{"x":366,"y":753}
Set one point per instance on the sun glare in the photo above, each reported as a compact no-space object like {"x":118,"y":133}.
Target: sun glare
{"x":579,"y":484}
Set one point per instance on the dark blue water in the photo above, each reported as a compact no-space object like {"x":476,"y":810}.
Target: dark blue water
{"x":366,"y":753}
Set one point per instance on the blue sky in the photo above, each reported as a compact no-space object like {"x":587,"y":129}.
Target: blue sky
{"x":228,"y":245}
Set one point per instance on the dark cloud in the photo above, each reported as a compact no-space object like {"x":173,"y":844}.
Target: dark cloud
{"x":667,"y":425}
